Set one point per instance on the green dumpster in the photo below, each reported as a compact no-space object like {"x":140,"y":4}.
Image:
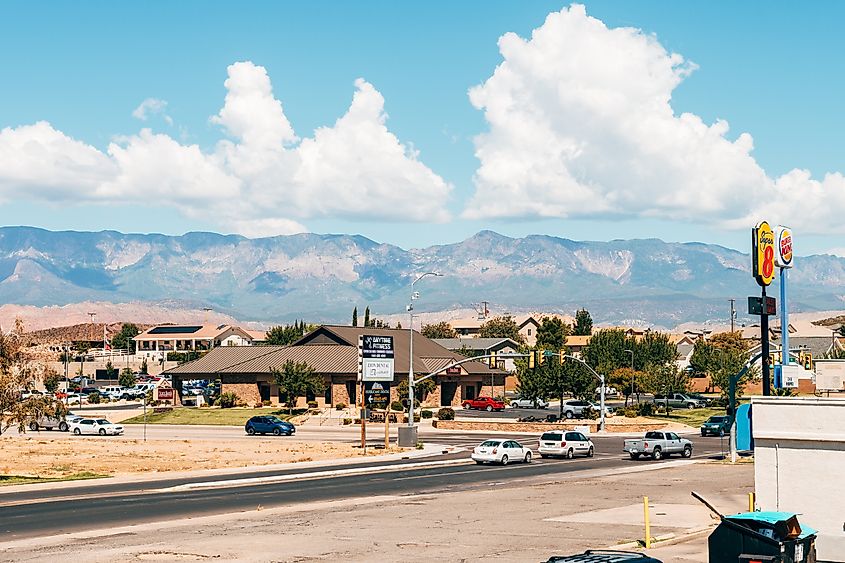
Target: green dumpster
{"x":762,"y":537}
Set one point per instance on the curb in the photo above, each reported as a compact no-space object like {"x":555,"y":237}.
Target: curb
{"x":666,"y":540}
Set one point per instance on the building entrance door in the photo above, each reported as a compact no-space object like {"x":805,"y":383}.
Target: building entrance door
{"x":447,"y":393}
{"x":264,"y":391}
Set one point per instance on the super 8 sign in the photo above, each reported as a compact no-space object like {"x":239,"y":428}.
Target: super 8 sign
{"x":763,"y":254}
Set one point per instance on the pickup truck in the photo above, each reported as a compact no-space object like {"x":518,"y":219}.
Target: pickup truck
{"x":679,"y":401}
{"x":484,"y":403}
{"x":525,"y":403}
{"x":657,"y":445}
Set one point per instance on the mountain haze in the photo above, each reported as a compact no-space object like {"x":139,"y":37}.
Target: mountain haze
{"x":321,"y":277}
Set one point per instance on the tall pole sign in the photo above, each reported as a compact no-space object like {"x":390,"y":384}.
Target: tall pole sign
{"x":763,"y":270}
{"x":783,"y":259}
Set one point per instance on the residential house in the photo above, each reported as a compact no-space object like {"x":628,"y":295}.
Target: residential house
{"x":160,"y":339}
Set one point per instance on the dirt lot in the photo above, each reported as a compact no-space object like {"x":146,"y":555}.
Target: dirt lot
{"x":20,"y":455}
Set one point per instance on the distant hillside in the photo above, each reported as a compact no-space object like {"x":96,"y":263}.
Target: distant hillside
{"x":322,"y":277}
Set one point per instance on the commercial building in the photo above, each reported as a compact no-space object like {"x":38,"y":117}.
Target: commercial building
{"x":189,"y":338}
{"x":332,"y":351}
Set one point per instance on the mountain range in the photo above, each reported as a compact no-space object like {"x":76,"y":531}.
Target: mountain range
{"x":320,"y":278}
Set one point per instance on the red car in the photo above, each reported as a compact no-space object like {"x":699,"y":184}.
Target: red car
{"x":484,"y":403}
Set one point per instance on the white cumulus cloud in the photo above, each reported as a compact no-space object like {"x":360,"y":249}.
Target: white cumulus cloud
{"x":581,"y":125}
{"x":152,"y":106}
{"x":261,"y":180}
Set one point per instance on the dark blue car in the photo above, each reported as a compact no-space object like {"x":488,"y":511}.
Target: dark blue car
{"x":269,"y":425}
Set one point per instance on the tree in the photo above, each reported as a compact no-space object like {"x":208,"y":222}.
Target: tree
{"x":111,"y":372}
{"x":51,"y":380}
{"x":627,"y":381}
{"x":367,"y":316}
{"x":421,"y":389}
{"x":667,"y":378}
{"x":606,"y":351}
{"x":439,"y":330}
{"x":127,"y":378}
{"x":583,"y":323}
{"x":653,"y":349}
{"x":501,"y":327}
{"x":123,"y":340}
{"x":144,"y":367}
{"x":722,"y":357}
{"x":551,"y":334}
{"x":355,"y":316}
{"x":18,"y":372}
{"x":284,"y":335}
{"x":297,"y":379}
{"x":570,"y":378}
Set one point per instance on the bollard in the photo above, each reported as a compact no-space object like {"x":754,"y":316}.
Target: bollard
{"x":750,"y":502}
{"x":647,"y":523}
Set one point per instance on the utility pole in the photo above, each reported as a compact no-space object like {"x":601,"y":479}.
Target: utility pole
{"x":733,"y":313}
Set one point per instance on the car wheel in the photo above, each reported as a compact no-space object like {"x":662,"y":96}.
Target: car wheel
{"x":527,"y":457}
{"x":687,"y":451}
{"x":690,"y":406}
{"x":489,"y":408}
{"x":570,"y":454}
{"x":77,"y":431}
{"x":657,"y":454}
{"x":544,"y":456}
{"x":479,"y":462}
{"x":590,"y":452}
{"x":505,"y":459}
{"x":569,"y":414}
{"x":466,"y":405}
{"x":33,"y":426}
{"x":721,"y":433}
{"x":63,"y":427}
{"x":250,"y":430}
{"x":102,"y":431}
{"x":277,"y":432}
{"x":635,"y":456}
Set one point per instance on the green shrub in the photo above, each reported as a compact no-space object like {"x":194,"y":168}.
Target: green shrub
{"x":416,"y":418}
{"x":312,"y":404}
{"x":590,"y":413}
{"x":397,"y":406}
{"x":227,"y":400}
{"x":426,"y":414}
{"x":446,"y":413}
{"x":630,"y":412}
{"x":645,"y":409}
{"x":94,"y":398}
{"x":340,"y":406}
{"x":265,"y":403}
{"x":347,"y":421}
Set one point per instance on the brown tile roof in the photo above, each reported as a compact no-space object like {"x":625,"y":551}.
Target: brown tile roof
{"x":324,"y":359}
{"x":221,"y":358}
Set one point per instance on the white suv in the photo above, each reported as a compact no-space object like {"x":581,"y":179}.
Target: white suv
{"x":564,"y":443}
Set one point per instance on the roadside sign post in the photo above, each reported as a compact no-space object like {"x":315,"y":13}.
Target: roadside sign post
{"x":375,"y":361}
{"x":783,"y":260}
{"x":763,"y":270}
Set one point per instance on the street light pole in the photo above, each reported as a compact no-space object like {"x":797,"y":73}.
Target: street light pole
{"x":411,"y":346}
{"x":632,"y":375}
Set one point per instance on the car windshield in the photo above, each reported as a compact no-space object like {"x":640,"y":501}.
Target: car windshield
{"x":102,"y":421}
{"x":717,"y":419}
{"x":490,"y":443}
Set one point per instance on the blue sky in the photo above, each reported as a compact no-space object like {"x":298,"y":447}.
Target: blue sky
{"x":771,"y":70}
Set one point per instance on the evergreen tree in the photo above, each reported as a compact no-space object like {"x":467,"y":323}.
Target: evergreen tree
{"x":583,"y":323}
{"x":551,"y":334}
{"x":355,"y":316}
{"x":439,"y":330}
{"x":367,"y":316}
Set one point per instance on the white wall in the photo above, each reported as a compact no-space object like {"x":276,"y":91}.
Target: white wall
{"x":799,"y":464}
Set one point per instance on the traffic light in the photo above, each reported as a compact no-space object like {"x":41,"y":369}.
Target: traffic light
{"x":541,"y":356}
{"x":562,"y":356}
{"x":491,"y":361}
{"x":808,"y":361}
{"x":773,"y":358}
{"x":532,"y":359}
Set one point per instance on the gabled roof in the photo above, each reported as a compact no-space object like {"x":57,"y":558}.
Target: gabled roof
{"x":188,"y":332}
{"x":481,"y":344}
{"x":218,"y":359}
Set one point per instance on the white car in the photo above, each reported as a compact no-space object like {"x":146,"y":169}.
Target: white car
{"x":566,"y":444}
{"x":520,"y":403}
{"x":501,"y":451}
{"x":99,"y":426}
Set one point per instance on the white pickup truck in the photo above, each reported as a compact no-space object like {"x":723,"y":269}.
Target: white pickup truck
{"x":657,"y":445}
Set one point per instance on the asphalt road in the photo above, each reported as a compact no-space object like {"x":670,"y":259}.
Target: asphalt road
{"x":106,"y":505}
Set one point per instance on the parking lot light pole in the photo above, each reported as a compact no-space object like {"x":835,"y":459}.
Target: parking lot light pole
{"x":414,"y":296}
{"x":632,"y":374}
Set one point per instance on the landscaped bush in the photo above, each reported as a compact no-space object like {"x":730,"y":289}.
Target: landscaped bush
{"x":227,"y":400}
{"x":645,"y":409}
{"x":347,"y":421}
{"x":426,"y":414}
{"x":265,"y":403}
{"x":446,"y":413}
{"x":630,"y":412}
{"x":94,"y":398}
{"x":312,"y":404}
{"x":340,"y":406}
{"x":590,"y":413}
{"x":397,"y":406}
{"x":416,"y":418}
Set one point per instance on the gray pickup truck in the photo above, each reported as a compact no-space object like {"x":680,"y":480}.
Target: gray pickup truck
{"x":658,"y":445}
{"x":679,"y":401}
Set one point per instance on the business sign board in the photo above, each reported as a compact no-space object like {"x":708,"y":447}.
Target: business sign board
{"x":756,"y":306}
{"x":164,"y":393}
{"x":377,"y":358}
{"x":763,"y":253}
{"x":376,"y":394}
{"x":783,"y":247}
{"x":453,"y":370}
{"x":790,"y":374}
{"x":830,"y":375}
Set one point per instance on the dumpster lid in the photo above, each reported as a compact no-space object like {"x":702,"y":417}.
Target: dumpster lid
{"x":778,"y":520}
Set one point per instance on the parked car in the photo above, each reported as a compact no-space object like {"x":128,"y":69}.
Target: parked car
{"x":88,"y":390}
{"x":99,"y":426}
{"x":679,"y":401}
{"x":604,"y":556}
{"x":658,"y":445}
{"x":522,"y":403}
{"x":574,"y":408}
{"x":269,"y":425}
{"x":708,"y":401}
{"x":608,"y":391}
{"x":27,"y":393}
{"x":114,"y":392}
{"x":566,"y":444}
{"x":48,"y":423}
{"x":608,"y":411}
{"x":717,"y":425}
{"x":484,"y":403}
{"x":501,"y":451}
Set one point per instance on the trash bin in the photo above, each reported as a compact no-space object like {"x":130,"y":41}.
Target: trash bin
{"x":765,"y":537}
